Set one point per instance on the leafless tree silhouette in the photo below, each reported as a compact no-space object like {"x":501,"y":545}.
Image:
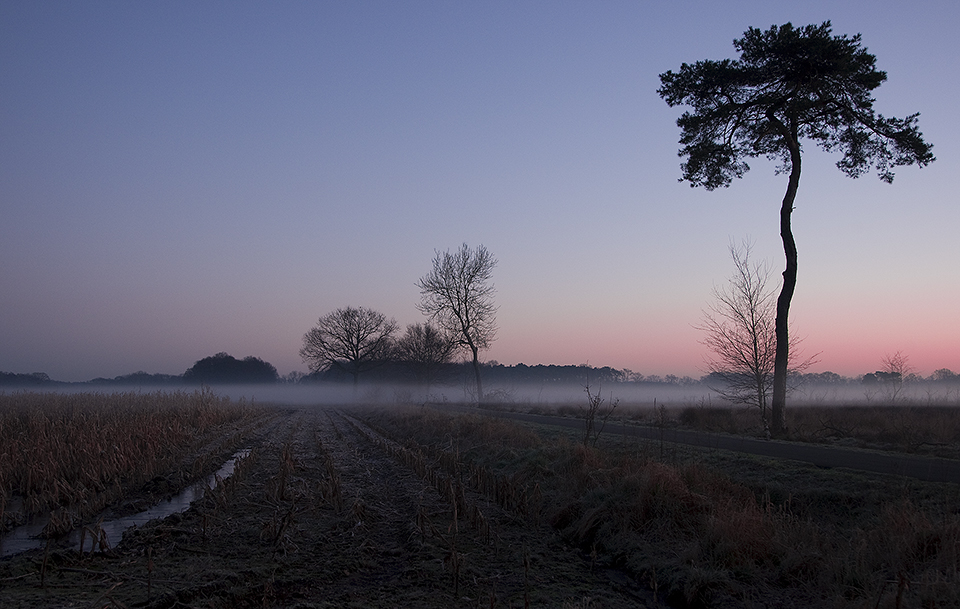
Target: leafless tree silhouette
{"x":352,"y":340}
{"x":425,"y":349}
{"x":741,"y":335}
{"x":896,"y":370}
{"x":458,"y":296}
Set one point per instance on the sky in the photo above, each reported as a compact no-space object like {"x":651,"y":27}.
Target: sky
{"x":179,"y":179}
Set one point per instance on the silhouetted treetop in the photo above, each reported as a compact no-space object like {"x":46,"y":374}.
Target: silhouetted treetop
{"x":789,"y":84}
{"x":223,"y":368}
{"x":352,"y":340}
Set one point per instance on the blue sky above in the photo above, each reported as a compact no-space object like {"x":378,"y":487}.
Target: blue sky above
{"x":183,"y":178}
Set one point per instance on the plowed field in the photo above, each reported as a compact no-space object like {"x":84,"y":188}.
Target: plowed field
{"x":324,"y":512}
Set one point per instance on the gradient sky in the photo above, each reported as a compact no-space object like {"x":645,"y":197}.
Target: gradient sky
{"x":183,"y":178}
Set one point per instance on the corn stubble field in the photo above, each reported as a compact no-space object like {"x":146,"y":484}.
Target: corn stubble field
{"x":413,"y":507}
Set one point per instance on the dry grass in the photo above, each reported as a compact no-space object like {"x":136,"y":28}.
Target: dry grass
{"x":73,"y":454}
{"x":691,"y":531}
{"x":905,"y":428}
{"x":926,"y":429}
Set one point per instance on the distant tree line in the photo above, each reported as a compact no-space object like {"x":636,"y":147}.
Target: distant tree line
{"x":400,"y":370}
{"x":32,"y":379}
{"x":141,"y":378}
{"x":225,"y":369}
{"x":219,"y":369}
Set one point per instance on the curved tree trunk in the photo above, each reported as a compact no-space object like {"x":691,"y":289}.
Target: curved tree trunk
{"x":782,"y":359}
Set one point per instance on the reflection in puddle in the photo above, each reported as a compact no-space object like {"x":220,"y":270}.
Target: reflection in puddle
{"x":25,"y":537}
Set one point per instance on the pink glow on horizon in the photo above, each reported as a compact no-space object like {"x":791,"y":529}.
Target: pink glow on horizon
{"x":161,"y":202}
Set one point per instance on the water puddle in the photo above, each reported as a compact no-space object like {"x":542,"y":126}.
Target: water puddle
{"x":26,"y":537}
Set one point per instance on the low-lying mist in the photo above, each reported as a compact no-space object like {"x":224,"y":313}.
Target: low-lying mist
{"x":544,"y":395}
{"x":523,"y":396}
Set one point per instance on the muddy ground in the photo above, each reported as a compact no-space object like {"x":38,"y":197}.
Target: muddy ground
{"x":322,"y":515}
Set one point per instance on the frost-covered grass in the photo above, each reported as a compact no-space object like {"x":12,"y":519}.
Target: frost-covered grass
{"x":705,"y":528}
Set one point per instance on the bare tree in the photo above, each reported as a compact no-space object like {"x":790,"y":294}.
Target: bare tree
{"x":457,"y":295}
{"x":594,"y":410}
{"x":944,"y":375}
{"x":425,"y":349}
{"x":350,"y":340}
{"x":896,"y":370}
{"x":741,"y":335}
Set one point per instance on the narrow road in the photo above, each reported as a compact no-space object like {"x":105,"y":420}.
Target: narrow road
{"x":930,"y":469}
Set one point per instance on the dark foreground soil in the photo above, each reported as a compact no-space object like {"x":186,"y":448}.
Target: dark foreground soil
{"x":321,"y":515}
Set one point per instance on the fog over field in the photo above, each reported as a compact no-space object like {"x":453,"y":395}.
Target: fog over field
{"x":521,"y":396}
{"x":512,"y":395}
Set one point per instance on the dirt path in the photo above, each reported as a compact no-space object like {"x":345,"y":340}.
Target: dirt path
{"x":321,"y":514}
{"x":930,"y":469}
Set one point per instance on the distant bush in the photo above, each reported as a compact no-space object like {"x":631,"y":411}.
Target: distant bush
{"x":222,"y":368}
